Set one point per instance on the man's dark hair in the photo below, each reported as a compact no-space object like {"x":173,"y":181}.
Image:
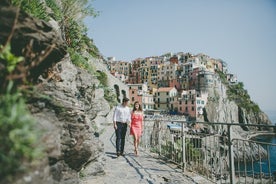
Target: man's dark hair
{"x":125,"y":100}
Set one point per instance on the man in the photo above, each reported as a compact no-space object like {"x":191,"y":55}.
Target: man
{"x":121,"y":118}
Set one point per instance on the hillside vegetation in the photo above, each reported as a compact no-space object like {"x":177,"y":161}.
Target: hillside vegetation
{"x":19,"y":71}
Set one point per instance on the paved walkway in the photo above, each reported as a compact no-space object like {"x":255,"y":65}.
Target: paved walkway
{"x":144,"y":169}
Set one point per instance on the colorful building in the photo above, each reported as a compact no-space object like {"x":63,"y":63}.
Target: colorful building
{"x":164,"y":98}
{"x":140,"y":93}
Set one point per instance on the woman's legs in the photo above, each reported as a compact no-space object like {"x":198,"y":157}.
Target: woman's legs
{"x":138,"y":141}
{"x":135,"y":144}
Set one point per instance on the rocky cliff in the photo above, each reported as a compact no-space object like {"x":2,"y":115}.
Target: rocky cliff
{"x":70,"y":119}
{"x":67,"y":103}
{"x":220,"y":108}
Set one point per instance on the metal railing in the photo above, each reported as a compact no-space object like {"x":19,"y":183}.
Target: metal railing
{"x":211,"y":149}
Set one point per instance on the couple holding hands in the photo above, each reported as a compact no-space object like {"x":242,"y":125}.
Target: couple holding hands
{"x":122,"y":116}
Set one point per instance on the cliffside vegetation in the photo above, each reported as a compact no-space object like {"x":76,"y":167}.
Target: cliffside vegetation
{"x":241,"y":97}
{"x":237,"y":93}
{"x":17,"y":127}
{"x":109,"y":95}
{"x":18,"y":138}
{"x":69,"y":14}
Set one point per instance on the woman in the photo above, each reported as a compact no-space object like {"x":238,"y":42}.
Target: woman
{"x":136,"y":126}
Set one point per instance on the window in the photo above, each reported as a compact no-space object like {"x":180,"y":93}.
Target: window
{"x":132,"y":99}
{"x":193,"y":109}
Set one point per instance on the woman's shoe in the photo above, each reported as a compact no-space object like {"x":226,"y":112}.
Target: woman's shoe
{"x":136,"y":152}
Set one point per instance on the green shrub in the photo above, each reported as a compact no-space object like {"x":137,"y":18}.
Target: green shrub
{"x":109,"y":94}
{"x":222,"y":77}
{"x":102,"y":77}
{"x":17,"y":136}
{"x":74,"y":32}
{"x":33,"y":7}
{"x":80,"y":61}
{"x":57,"y":14}
{"x":240,"y":96}
{"x":9,"y":59}
{"x":9,"y":62}
{"x":91,"y":47}
{"x":110,"y":97}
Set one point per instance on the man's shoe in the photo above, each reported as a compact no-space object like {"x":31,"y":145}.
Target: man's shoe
{"x":118,"y":154}
{"x":123,"y":154}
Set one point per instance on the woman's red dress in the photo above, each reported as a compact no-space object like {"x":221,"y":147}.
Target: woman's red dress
{"x":136,"y":123}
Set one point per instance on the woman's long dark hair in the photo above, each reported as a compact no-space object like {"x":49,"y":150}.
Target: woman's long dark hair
{"x":139,"y":108}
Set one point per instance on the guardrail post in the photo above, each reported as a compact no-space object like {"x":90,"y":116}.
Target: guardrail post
{"x":145,"y":132}
{"x":172,"y":146}
{"x":183,"y":148}
{"x":231,"y":155}
{"x":159,"y":136}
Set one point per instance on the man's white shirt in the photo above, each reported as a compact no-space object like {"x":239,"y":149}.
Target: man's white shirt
{"x":122,"y":114}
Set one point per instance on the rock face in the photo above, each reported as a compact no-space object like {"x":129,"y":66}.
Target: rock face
{"x":69,"y":106}
{"x":33,"y":39}
{"x":69,"y":120}
{"x":220,"y":109}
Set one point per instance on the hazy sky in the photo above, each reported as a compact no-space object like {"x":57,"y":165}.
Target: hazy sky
{"x":240,"y":32}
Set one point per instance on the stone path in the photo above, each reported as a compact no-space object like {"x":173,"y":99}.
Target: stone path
{"x":144,"y":169}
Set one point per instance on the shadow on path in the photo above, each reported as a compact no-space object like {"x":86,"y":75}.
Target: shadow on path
{"x":144,"y":165}
{"x":144,"y":169}
{"x":135,"y":164}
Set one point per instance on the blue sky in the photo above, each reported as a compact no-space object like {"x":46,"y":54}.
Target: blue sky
{"x":240,"y":32}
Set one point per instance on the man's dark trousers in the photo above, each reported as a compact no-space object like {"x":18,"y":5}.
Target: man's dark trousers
{"x":120,"y":137}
